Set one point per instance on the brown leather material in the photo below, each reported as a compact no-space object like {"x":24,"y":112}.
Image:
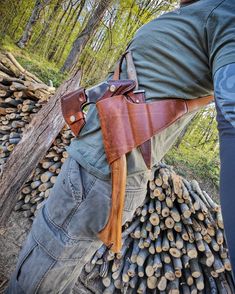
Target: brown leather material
{"x":117,"y":71}
{"x":136,"y":98}
{"x":145,"y":148}
{"x":134,"y":123}
{"x":193,"y":104}
{"x":118,"y":87}
{"x":131,"y":71}
{"x":111,"y":235}
{"x":71,"y":105}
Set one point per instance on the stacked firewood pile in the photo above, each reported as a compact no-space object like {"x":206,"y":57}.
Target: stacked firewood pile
{"x":22,"y":94}
{"x":37,"y":188}
{"x":174,"y":244}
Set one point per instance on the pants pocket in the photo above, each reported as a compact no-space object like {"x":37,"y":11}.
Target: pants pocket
{"x":65,"y":269}
{"x":67,"y":193}
{"x":133,"y":200}
{"x":49,"y":258}
{"x":93,"y":213}
{"x":39,"y":272}
{"x":136,"y":190}
{"x":31,"y":267}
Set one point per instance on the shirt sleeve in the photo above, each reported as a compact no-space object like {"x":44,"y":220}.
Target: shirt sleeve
{"x":220,"y":31}
{"x":224,"y":86}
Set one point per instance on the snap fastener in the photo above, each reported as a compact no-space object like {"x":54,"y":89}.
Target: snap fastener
{"x":112,"y":88}
{"x":72,"y":118}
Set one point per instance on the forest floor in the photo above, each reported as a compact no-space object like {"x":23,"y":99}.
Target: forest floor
{"x":11,"y":241}
{"x":204,"y":183}
{"x":36,"y":64}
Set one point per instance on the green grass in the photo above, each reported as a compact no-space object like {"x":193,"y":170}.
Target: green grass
{"x":200,"y":163}
{"x":194,"y":163}
{"x":34,"y":63}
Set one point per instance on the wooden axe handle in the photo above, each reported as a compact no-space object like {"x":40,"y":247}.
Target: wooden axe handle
{"x":111,"y":234}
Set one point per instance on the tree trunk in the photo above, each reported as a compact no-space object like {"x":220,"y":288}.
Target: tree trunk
{"x":72,"y":27}
{"x":85,"y":34}
{"x":14,"y":10}
{"x":47,"y":25}
{"x":35,"y":142}
{"x":18,"y":25}
{"x":56,"y":34}
{"x":31,"y":22}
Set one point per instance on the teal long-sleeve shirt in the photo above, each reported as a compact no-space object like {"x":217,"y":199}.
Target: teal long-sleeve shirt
{"x":175,"y":55}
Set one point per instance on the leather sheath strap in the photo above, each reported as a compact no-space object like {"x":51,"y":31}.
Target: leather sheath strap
{"x":128,"y":122}
{"x":135,"y":123}
{"x":136,"y":97}
{"x":71,"y":107}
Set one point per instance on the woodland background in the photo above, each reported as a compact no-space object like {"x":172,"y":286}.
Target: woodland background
{"x":52,"y":38}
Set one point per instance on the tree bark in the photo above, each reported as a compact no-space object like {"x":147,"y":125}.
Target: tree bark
{"x":35,"y":142}
{"x":57,"y":33}
{"x":31,"y":22}
{"x":72,"y":27}
{"x":47,"y":25}
{"x":85,"y":34}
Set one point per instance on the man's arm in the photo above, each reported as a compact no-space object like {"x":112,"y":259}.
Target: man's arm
{"x":224,"y":87}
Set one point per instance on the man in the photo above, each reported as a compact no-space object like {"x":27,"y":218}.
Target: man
{"x":180,"y":54}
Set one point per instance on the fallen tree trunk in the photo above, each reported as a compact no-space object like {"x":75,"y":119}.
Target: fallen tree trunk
{"x":36,"y":141}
